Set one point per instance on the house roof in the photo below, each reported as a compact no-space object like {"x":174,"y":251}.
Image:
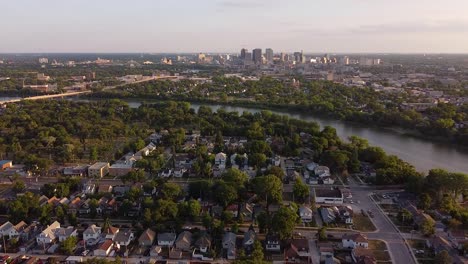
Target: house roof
{"x":64,"y":232}
{"x":166,"y":236}
{"x":360,"y":252}
{"x":50,"y":230}
{"x":175,"y":254}
{"x":301,"y":244}
{"x":6,"y":226}
{"x":111,"y":230}
{"x":123,"y":236}
{"x":204,"y":241}
{"x":331,"y":193}
{"x":92,"y":229}
{"x":248,"y":236}
{"x":184,"y":237}
{"x":229,"y":237}
{"x":356,"y":237}
{"x":147,"y":236}
{"x":106,"y":245}
{"x":21,"y":226}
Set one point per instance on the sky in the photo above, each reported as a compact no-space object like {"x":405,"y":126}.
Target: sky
{"x":355,"y":26}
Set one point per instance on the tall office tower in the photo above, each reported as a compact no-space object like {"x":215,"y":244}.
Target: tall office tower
{"x":243,"y":52}
{"x":257,"y":56}
{"x":282,"y":56}
{"x":299,"y":57}
{"x":269,"y":55}
{"x":248,"y":56}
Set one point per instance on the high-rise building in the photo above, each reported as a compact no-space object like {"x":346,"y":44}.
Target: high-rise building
{"x":344,"y":60}
{"x":43,"y":60}
{"x":243,"y":52}
{"x":257,"y":56}
{"x":269,"y":55}
{"x":299,"y":57}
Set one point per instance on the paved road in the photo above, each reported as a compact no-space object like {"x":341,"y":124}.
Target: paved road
{"x":386,"y":231}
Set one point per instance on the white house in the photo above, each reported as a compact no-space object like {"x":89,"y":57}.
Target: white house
{"x":124,"y":238}
{"x":354,"y":240}
{"x":220,"y":160}
{"x":306,"y":214}
{"x":272,"y":243}
{"x":63,"y":233}
{"x":93,"y":232}
{"x":322,"y":171}
{"x":47,"y":236}
{"x":8,"y":229}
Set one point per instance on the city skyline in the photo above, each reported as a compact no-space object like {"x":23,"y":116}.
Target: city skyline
{"x":220,"y":26}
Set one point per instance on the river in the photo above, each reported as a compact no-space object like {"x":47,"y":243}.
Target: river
{"x":422,"y":153}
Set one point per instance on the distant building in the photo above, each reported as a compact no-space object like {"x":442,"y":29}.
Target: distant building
{"x":243,"y":53}
{"x":43,"y":60}
{"x":328,"y":196}
{"x":269,"y":55}
{"x":299,"y":57}
{"x":257,"y":56}
{"x":98,"y":170}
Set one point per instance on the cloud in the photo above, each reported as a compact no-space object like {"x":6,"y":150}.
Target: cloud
{"x":452,"y":26}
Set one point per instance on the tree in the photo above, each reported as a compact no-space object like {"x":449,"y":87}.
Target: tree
{"x":269,"y":189}
{"x":284,"y":222}
{"x":19,"y":186}
{"x":405,"y":216}
{"x":170,"y":190}
{"x":275,"y":170}
{"x":424,"y":201}
{"x":235,"y":176}
{"x":428,"y":227}
{"x":257,"y":160}
{"x":300,"y":191}
{"x":224,"y":193}
{"x":68,"y":245}
{"x":443,"y":257}
{"x":322,"y":235}
{"x":257,"y":253}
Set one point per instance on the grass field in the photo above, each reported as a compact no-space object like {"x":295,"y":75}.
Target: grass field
{"x":363,"y":223}
{"x":379,"y":249}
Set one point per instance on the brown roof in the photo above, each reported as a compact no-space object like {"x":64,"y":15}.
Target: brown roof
{"x":360,"y":252}
{"x":106,"y":245}
{"x":148,"y":235}
{"x":111,"y":230}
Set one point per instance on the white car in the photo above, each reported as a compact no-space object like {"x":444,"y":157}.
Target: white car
{"x":85,"y":253}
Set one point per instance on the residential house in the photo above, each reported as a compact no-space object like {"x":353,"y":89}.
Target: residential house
{"x":47,"y":236}
{"x":247,"y":211}
{"x":104,"y":249}
{"x":155,"y":251}
{"x":104,"y":188}
{"x":249,"y":239}
{"x":229,"y":240}
{"x":322,"y":171}
{"x":362,"y":255}
{"x":220,"y":160}
{"x":8,"y":229}
{"x":203,"y":243}
{"x":89,"y":188}
{"x":344,"y":213}
{"x":272,"y":243}
{"x":98,"y":169}
{"x":233,"y":209}
{"x":306,"y":214}
{"x":458,"y":238}
{"x":325,"y":250}
{"x":123,"y":238}
{"x":351,"y":241}
{"x":75,"y":205}
{"x":110,"y":232}
{"x":62,"y":233}
{"x":297,"y":252}
{"x":92,"y":233}
{"x":166,"y":239}
{"x":184,"y":241}
{"x":5,"y":164}
{"x":77,"y":171}
{"x":147,"y":238}
{"x":328,"y":215}
{"x":175,"y":253}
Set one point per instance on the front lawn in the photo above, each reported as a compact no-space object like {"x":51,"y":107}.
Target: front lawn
{"x":363,"y":223}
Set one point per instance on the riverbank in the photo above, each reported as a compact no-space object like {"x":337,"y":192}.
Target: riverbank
{"x":293,"y":109}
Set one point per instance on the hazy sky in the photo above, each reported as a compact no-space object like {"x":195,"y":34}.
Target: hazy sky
{"x":229,"y":25}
